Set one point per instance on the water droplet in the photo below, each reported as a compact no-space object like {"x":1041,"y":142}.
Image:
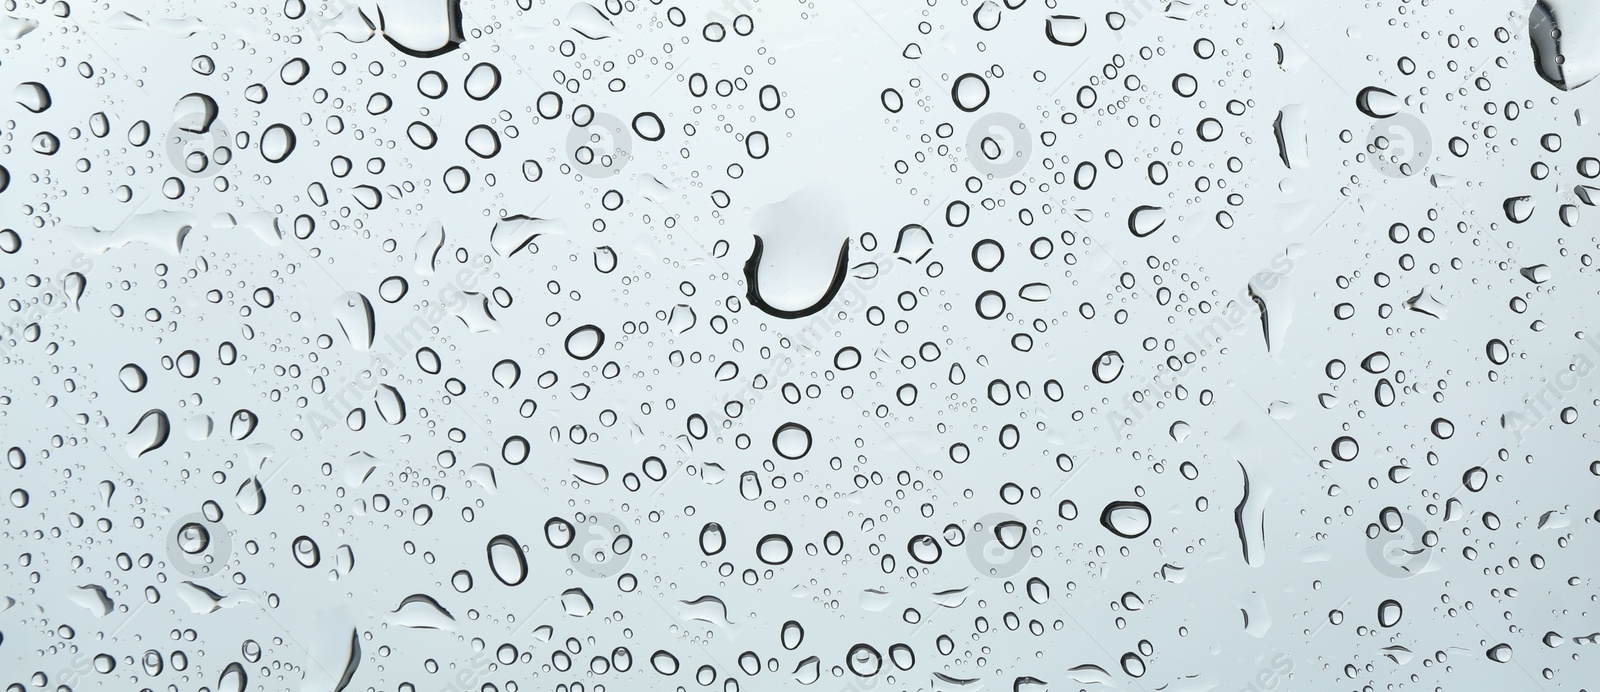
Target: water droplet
{"x":1126,"y":519}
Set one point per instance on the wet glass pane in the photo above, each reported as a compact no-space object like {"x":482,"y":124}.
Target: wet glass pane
{"x":1022,"y":345}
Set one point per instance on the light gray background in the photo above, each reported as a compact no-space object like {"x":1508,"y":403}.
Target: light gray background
{"x":1266,"y":562}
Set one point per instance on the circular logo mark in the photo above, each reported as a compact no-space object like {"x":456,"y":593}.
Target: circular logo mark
{"x":197,"y":153}
{"x":1399,"y":146}
{"x":602,"y":546}
{"x":998,"y":145}
{"x":601,"y":148}
{"x":1001,"y":546}
{"x":197,"y":547}
{"x":1397,"y":545}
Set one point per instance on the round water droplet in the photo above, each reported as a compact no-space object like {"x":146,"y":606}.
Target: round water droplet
{"x":1389,"y":613}
{"x":648,"y":126}
{"x":1497,"y":352}
{"x":1126,"y":519}
{"x":193,"y":538}
{"x":1185,"y":85}
{"x":506,"y":373}
{"x":1443,"y":428}
{"x":1377,"y":363}
{"x":1065,"y":30}
{"x":664,"y":663}
{"x":482,"y":81}
{"x":306,"y":552}
{"x":774,"y":549}
{"x":712,"y":538}
{"x":1133,"y":665}
{"x":864,"y":660}
{"x":1345,"y":448}
{"x":970,"y":92}
{"x":791,"y":440}
{"x":392,"y":289}
{"x":1378,"y":103}
{"x":1475,"y":478}
{"x":515,"y":450}
{"x":1500,"y":653}
{"x":893,"y":102}
{"x":990,"y":305}
{"x":507,"y":561}
{"x":1107,"y":367}
{"x":924,"y":549}
{"x":1010,"y":533}
{"x":422,"y":135}
{"x":585,"y":341}
{"x":1038,"y":590}
{"x":277,"y":143}
{"x":559,"y":533}
{"x":483,"y":141}
{"x":988,"y":255}
{"x":132,"y":377}
{"x":792,"y":635}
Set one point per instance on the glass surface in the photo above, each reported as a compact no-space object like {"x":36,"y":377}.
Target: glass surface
{"x":1021,"y":345}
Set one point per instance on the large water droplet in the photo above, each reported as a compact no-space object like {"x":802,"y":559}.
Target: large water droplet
{"x":1126,"y":519}
{"x":1065,"y":30}
{"x":970,"y":92}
